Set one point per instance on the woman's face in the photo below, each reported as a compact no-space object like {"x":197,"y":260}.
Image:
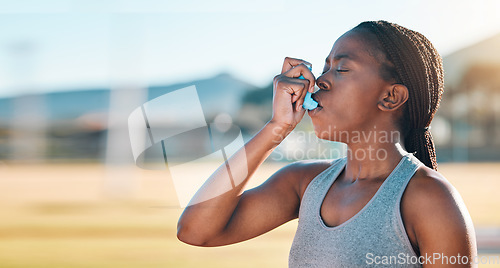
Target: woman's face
{"x":350,"y":88}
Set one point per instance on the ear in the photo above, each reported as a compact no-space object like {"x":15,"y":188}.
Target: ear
{"x":393,"y":97}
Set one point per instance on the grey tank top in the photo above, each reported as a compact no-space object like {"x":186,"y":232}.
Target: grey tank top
{"x":374,"y":237}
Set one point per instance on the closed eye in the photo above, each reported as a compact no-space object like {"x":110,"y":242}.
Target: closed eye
{"x":338,"y":70}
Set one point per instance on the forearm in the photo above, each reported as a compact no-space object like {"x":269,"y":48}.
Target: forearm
{"x":203,"y":220}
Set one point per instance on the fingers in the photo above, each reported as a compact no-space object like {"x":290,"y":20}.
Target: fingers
{"x":304,"y":71}
{"x":296,"y":88}
{"x":288,"y":81}
{"x":289,"y":63}
{"x":300,"y":99}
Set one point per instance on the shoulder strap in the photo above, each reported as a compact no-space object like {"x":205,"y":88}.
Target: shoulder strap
{"x":322,"y":182}
{"x":393,"y":188}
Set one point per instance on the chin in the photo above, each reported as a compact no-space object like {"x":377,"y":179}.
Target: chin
{"x":321,"y":133}
{"x":328,"y":132}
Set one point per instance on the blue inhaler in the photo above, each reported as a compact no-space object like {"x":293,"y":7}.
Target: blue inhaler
{"x":309,"y":103}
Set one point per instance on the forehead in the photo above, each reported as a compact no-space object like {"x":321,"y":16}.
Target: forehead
{"x":354,"y":46}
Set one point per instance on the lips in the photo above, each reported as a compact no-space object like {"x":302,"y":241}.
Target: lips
{"x":314,"y":111}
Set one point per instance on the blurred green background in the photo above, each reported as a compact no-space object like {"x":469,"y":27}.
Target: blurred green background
{"x":60,"y":215}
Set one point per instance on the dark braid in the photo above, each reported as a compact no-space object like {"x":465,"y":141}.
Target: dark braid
{"x":417,"y":65}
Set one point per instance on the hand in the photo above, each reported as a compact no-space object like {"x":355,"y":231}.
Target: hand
{"x":289,"y":92}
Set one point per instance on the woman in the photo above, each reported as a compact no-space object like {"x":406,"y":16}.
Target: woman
{"x":380,"y":205}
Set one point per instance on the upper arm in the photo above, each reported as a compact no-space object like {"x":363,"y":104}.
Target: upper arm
{"x":440,"y":220}
{"x":269,"y":205}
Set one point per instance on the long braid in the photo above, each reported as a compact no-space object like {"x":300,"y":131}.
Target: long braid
{"x":418,"y":66}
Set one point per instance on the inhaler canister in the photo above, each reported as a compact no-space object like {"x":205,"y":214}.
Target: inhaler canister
{"x":309,"y":103}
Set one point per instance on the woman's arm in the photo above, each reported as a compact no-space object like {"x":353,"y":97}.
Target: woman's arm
{"x":440,"y":221}
{"x":235,"y":216}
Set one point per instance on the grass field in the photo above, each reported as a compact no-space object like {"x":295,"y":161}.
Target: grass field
{"x":90,"y":215}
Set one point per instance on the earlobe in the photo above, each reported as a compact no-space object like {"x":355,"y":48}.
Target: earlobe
{"x":393,"y":97}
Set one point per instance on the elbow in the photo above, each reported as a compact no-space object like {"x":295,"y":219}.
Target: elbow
{"x":190,"y":237}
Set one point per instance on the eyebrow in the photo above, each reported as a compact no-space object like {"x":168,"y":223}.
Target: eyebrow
{"x":342,"y":56}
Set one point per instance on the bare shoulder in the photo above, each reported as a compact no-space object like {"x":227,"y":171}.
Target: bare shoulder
{"x":429,"y":191}
{"x":435,"y":214}
{"x":301,"y":173}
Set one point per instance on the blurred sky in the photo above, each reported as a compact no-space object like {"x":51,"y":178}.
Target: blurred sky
{"x":62,"y":44}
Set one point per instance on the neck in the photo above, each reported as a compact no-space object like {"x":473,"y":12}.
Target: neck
{"x":372,"y":160}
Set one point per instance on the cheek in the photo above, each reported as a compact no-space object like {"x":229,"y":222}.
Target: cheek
{"x":368,"y":93}
{"x":348,"y":99}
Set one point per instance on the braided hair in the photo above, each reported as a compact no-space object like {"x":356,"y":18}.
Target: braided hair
{"x":414,"y":62}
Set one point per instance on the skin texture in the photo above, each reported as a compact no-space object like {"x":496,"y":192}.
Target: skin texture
{"x":354,"y":98}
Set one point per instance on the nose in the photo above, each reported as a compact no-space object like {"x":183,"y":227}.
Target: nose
{"x":322,"y":83}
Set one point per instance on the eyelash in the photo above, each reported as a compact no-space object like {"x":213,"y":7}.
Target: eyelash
{"x":338,"y":70}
